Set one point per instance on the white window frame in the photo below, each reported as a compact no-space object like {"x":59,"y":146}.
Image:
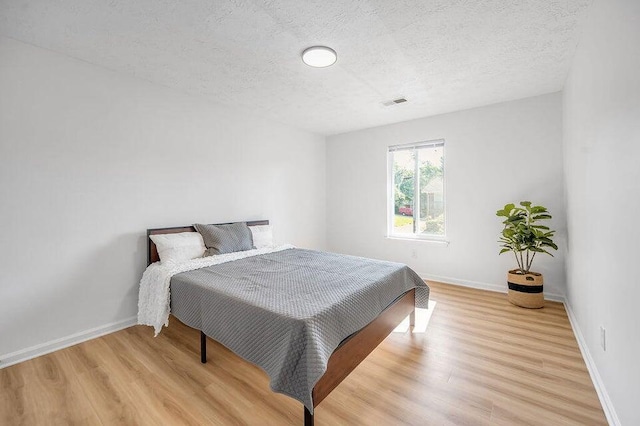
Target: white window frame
{"x":416,"y":207}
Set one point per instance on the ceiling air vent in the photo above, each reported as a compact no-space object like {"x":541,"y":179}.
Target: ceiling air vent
{"x":394,"y":102}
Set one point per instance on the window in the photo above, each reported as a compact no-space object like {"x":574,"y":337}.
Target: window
{"x":416,"y":206}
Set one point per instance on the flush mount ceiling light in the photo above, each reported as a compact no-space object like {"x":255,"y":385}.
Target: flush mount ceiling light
{"x":319,"y":56}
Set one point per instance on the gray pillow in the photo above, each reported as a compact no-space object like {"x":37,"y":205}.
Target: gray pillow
{"x":221,"y":239}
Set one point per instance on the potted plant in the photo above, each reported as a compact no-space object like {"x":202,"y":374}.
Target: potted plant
{"x":525,"y":237}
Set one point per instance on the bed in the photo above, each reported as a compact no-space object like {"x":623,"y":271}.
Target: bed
{"x":323,"y":287}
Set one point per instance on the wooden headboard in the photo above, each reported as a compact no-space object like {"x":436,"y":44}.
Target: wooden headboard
{"x":152,"y":251}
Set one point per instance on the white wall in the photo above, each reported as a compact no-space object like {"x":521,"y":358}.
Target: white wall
{"x":602,"y":163}
{"x":89,"y":159}
{"x":494,"y":155}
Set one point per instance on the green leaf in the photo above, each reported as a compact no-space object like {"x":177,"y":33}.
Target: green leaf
{"x":539,"y":226}
{"x":525,"y":203}
{"x":538,"y":209}
{"x":541,"y":216}
{"x":504,"y":250}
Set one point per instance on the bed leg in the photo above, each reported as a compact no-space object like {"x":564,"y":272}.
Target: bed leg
{"x":203,"y":347}
{"x":412,"y":318}
{"x":308,"y":417}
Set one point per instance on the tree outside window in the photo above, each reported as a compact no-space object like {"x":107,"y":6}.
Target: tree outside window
{"x":421,"y":216}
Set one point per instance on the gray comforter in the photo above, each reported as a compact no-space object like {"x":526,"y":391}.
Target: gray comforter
{"x":288,"y":311}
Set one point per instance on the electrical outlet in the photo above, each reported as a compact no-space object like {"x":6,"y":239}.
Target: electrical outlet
{"x":414,"y":253}
{"x":603,"y":338}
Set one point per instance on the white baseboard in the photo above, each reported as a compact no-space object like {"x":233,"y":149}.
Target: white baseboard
{"x":603,"y":395}
{"x":64,"y":342}
{"x":500,"y":288}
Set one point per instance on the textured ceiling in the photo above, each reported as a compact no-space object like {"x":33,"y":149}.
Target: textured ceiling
{"x":442,"y":55}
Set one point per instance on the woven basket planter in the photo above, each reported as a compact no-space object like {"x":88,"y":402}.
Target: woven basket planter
{"x":525,"y":290}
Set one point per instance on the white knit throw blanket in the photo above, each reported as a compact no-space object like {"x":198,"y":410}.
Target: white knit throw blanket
{"x":155,"y":298}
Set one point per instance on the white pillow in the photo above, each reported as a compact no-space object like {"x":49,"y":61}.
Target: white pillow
{"x":178,"y":247}
{"x":262,"y":236}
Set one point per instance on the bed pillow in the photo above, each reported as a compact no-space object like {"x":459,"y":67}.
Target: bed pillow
{"x":262,"y":236}
{"x":178,"y":247}
{"x":220,"y":239}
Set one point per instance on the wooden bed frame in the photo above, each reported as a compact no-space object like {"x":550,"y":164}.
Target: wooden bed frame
{"x":351,"y":352}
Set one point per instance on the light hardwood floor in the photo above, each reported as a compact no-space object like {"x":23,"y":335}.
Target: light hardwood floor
{"x":481,"y":361}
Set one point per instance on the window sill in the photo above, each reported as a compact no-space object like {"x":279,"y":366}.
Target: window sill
{"x":433,"y":240}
